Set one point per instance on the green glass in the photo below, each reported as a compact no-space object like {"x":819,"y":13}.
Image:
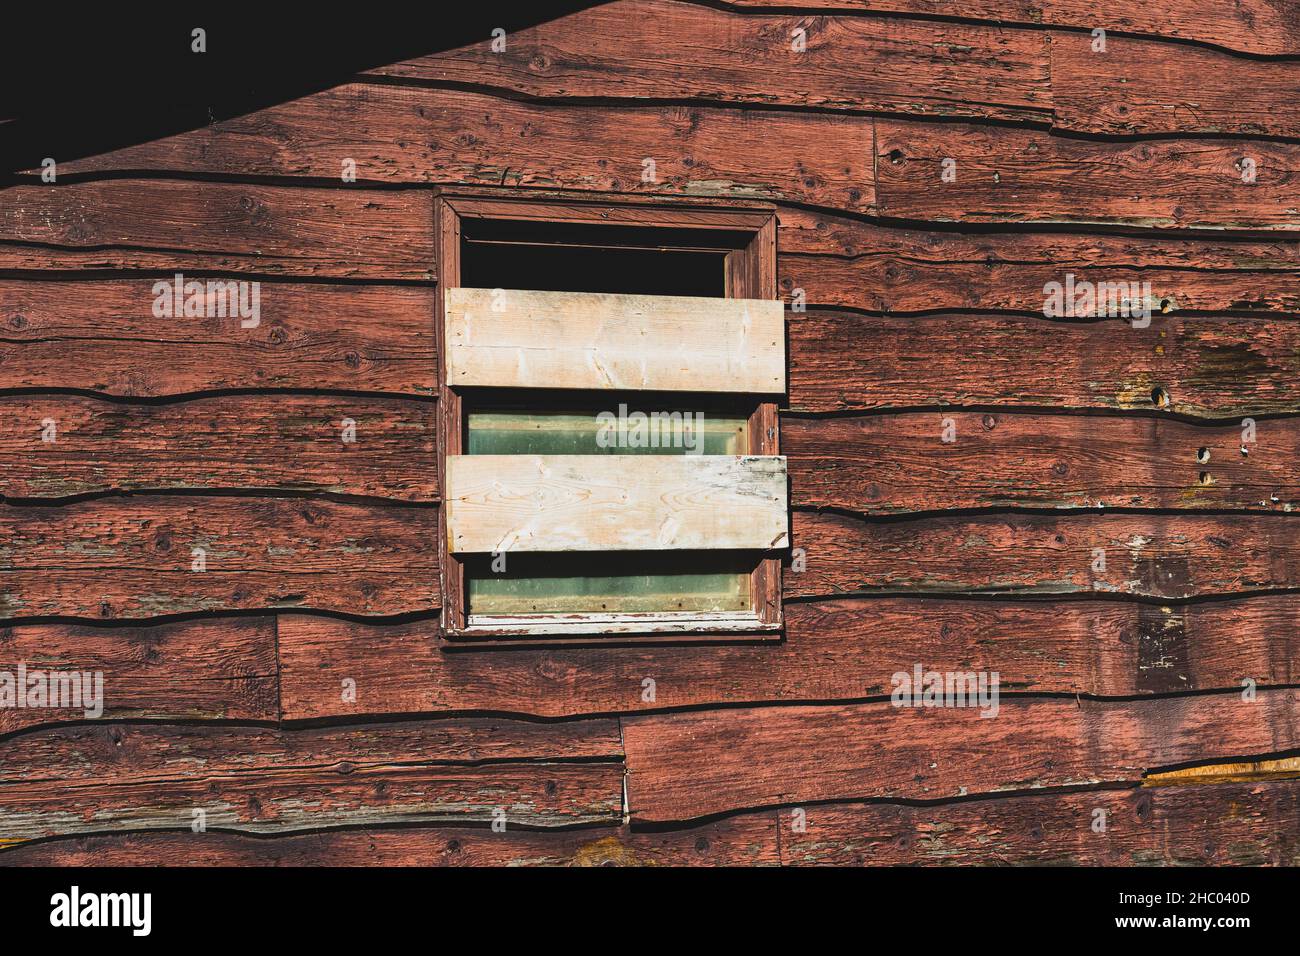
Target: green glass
{"x":614,"y":432}
{"x":625,"y":583}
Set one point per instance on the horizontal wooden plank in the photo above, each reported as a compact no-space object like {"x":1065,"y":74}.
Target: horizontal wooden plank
{"x":687,"y":765}
{"x":113,"y":559}
{"x":102,"y":335}
{"x":207,"y":669}
{"x":166,"y":225}
{"x":88,"y":779}
{"x":1227,"y":825}
{"x":669,"y":50}
{"x":889,"y":464}
{"x":242,"y":441}
{"x":140,"y":752}
{"x":1013,"y":11}
{"x":1266,"y":27}
{"x":749,"y":840}
{"x":1207,"y":366}
{"x":616,"y":502}
{"x":1003,"y":174}
{"x":585,"y":340}
{"x":398,"y":134}
{"x":844,"y":649}
{"x":110,"y":560}
{"x":1162,"y":556}
{"x":1147,"y":86}
{"x":838,"y":261}
{"x":1011,"y":175}
{"x":136,"y":557}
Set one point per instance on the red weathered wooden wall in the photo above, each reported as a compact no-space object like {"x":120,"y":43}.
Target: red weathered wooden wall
{"x":925,"y":302}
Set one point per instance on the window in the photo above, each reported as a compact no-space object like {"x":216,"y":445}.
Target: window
{"x":608,"y":430}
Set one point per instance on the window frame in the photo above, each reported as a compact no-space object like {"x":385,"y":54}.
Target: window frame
{"x":750,"y":272}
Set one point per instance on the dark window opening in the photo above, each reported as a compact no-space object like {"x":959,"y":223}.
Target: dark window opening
{"x":552,"y":257}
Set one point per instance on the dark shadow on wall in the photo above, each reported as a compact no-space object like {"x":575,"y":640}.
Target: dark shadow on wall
{"x":79,"y":84}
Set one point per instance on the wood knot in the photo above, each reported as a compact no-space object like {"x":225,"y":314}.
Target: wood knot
{"x":1143,"y":808}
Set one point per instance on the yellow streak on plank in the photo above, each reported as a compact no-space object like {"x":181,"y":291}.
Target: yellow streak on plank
{"x":1280,"y":769}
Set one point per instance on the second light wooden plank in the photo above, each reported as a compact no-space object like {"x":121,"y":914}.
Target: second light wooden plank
{"x":615,"y":502}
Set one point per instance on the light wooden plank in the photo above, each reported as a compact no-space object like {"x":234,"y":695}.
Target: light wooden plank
{"x":586,"y":340}
{"x":615,"y":502}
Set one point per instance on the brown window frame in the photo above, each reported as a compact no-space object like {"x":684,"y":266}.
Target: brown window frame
{"x":750,"y":273}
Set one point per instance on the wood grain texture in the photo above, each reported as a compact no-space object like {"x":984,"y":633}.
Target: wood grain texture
{"x":516,"y":338}
{"x":1011,"y":175}
{"x":1264,"y":27}
{"x":166,"y":226}
{"x":1147,"y":86}
{"x":845,"y":649}
{"x":242,"y":441}
{"x":1216,"y":367}
{"x":207,"y":669}
{"x":1225,"y":825}
{"x":133,"y":558}
{"x":687,"y":765}
{"x":889,"y":464}
{"x":552,"y":503}
{"x":88,"y":779}
{"x":669,"y":50}
{"x":102,"y":335}
{"x":838,"y":261}
{"x":748,"y":840}
{"x":1009,"y":10}
{"x":1165,"y":556}
{"x":398,"y":134}
{"x":111,"y":559}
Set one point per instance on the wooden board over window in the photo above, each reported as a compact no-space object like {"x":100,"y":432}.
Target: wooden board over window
{"x":584,"y":340}
{"x":616,"y":503}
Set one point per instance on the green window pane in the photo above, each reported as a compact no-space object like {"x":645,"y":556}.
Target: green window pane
{"x":617,"y":431}
{"x":646,"y":583}
{"x":626,"y":583}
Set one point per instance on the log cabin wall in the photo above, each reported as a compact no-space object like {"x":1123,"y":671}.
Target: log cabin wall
{"x":1173,"y":157}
